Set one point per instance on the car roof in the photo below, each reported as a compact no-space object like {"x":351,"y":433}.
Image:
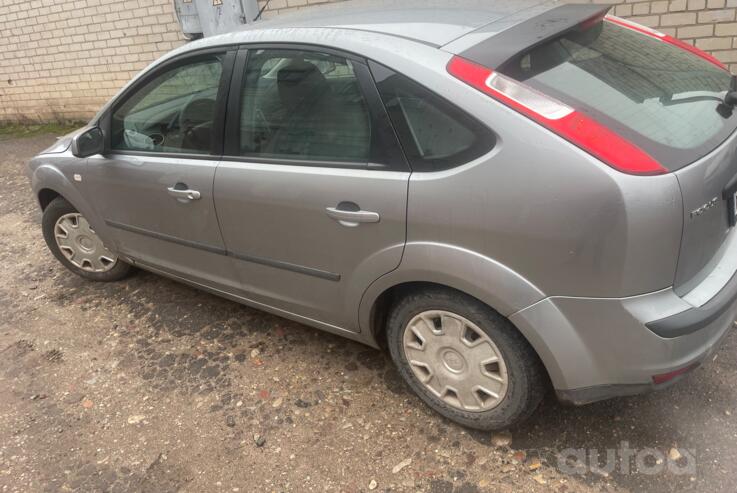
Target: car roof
{"x":433,"y":22}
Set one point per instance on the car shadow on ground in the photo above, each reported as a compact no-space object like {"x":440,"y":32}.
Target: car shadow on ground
{"x":625,"y":442}
{"x":677,"y":439}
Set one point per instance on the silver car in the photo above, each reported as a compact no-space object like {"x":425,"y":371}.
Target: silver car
{"x":507,"y":196}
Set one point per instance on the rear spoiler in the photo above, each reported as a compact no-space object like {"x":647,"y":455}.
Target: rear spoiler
{"x":510,"y":43}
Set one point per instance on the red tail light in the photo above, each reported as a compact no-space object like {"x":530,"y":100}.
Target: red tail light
{"x":577,"y":128}
{"x":666,"y":39}
{"x":667,"y":377}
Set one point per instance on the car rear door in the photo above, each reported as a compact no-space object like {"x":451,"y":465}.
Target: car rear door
{"x":312,"y":193}
{"x":153,"y":185}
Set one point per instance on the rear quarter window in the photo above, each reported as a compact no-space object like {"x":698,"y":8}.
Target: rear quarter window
{"x":435,"y":135}
{"x":659,"y":96}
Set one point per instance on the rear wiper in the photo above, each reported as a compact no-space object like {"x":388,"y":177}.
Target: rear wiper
{"x":692,"y":99}
{"x":726,"y":108}
{"x":730,"y":99}
{"x":727,"y":103}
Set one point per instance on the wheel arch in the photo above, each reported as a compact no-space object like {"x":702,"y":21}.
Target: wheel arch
{"x":46,"y":195}
{"x":49,"y":182}
{"x":430,"y":265}
{"x":386,"y":300}
{"x":383,"y":304}
{"x":469,"y":272}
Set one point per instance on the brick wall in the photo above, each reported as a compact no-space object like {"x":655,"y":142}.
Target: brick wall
{"x":62,"y":59}
{"x":709,"y":24}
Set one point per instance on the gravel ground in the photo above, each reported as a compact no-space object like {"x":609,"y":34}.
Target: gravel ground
{"x":149,"y":385}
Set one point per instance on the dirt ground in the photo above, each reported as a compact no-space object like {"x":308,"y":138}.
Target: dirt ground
{"x":149,"y":385}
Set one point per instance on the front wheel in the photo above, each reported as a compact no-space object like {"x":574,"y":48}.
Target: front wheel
{"x":464,"y":360}
{"x":76,"y":245}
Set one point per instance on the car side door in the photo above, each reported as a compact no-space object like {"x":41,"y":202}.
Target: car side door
{"x":312,"y":192}
{"x":153,"y":185}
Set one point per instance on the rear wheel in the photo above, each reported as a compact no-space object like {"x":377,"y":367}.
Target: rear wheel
{"x":464,"y":360}
{"x":76,"y":245}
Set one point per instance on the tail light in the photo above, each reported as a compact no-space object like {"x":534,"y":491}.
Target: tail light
{"x":577,"y":128}
{"x":666,"y":39}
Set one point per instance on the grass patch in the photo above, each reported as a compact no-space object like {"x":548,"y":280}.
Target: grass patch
{"x":19,"y":130}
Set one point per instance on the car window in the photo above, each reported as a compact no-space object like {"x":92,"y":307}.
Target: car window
{"x":303,"y":105}
{"x":659,"y":96}
{"x":434,"y":134}
{"x":174,"y":112}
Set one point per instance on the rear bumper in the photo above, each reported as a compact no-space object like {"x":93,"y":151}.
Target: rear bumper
{"x":588,"y":395}
{"x":697,"y":318}
{"x":596,"y":349}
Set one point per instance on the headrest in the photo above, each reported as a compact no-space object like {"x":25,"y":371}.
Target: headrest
{"x":300,"y":81}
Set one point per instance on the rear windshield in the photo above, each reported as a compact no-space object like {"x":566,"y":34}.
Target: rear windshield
{"x":660,"y":97}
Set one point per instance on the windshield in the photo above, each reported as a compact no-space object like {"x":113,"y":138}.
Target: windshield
{"x":660,"y":97}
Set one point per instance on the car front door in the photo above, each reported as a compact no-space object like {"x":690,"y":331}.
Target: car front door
{"x":153,"y":185}
{"x":312,"y":193}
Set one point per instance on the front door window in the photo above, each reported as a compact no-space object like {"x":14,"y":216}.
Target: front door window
{"x":174,"y":112}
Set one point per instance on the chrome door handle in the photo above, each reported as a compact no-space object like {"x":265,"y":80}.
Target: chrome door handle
{"x":184,"y":195}
{"x":352,"y":218}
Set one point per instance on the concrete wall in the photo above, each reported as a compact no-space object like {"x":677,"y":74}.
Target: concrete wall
{"x":62,"y":59}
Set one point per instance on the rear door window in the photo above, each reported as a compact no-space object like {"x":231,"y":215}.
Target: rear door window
{"x":303,"y":105}
{"x":661,"y":97}
{"x":435,"y":134}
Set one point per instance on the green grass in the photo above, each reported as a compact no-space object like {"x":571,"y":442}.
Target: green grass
{"x":19,"y":130}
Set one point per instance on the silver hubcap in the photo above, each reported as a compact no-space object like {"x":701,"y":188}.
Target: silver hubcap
{"x":455,"y":360}
{"x":80,"y":244}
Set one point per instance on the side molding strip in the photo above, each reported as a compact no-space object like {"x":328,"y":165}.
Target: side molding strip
{"x":309,"y":271}
{"x":165,"y":237}
{"x":278,"y":264}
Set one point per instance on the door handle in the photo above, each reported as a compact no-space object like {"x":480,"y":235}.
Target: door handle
{"x":183,"y":194}
{"x":352,"y":219}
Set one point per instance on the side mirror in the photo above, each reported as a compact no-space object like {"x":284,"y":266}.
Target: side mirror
{"x":88,"y":142}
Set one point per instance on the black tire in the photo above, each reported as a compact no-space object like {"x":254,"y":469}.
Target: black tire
{"x":526,"y":375}
{"x":57,"y":208}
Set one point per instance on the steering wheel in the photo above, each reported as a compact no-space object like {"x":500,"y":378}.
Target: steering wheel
{"x":196,"y":114}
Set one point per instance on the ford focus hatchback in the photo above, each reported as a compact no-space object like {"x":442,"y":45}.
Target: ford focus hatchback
{"x":507,"y":196}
